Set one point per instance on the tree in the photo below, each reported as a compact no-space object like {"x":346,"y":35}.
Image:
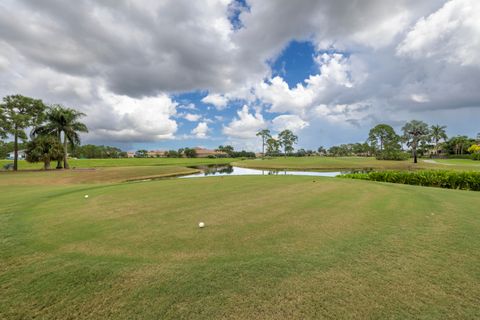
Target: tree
{"x":44,"y":149}
{"x":172,"y":154}
{"x":16,"y":114}
{"x":141,"y":153}
{"x":265,"y":134}
{"x":273,"y":146}
{"x":61,"y":120}
{"x":90,"y":151}
{"x":438,"y":133}
{"x":321,"y":150}
{"x":287,"y":139}
{"x":459,"y":144}
{"x":227,"y":149}
{"x":190,"y":153}
{"x":415,"y":132}
{"x":383,"y":137}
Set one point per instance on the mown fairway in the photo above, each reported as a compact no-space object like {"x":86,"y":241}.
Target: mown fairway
{"x":275,"y":247}
{"x":340,"y":163}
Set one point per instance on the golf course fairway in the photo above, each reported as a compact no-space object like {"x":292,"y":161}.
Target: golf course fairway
{"x":274,"y":247}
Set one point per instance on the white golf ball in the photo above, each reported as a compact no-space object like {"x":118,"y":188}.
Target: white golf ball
{"x":86,"y":196}
{"x":201,"y":225}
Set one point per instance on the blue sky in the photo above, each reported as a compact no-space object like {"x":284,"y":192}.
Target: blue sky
{"x":177,"y":73}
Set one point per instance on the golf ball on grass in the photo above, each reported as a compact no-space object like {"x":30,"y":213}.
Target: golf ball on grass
{"x":86,"y":196}
{"x":201,"y":225}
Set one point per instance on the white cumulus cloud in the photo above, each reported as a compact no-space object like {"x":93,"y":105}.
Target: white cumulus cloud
{"x":246,"y":125}
{"x":201,"y":130}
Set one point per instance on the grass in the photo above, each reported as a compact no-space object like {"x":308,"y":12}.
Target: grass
{"x":87,"y":176}
{"x":346,"y":163}
{"x":459,"y":162}
{"x":298,"y":248}
{"x":127,"y":162}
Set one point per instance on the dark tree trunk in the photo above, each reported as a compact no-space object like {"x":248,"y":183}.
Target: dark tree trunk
{"x":65,"y":149}
{"x":263,"y":148}
{"x":46,"y":164}
{"x":59,"y":161}
{"x":415,"y":155}
{"x":15,"y":151}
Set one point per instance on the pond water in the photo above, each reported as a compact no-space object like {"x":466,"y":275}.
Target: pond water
{"x":226,"y":170}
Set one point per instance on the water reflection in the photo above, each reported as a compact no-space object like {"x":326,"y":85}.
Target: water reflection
{"x":227,"y":170}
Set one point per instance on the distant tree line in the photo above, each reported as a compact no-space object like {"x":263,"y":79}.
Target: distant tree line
{"x":231,"y":153}
{"x":180,"y":153}
{"x":418,"y":139}
{"x":90,"y":151}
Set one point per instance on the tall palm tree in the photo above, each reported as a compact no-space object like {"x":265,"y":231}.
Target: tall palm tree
{"x":61,"y":120}
{"x":265,"y":134}
{"x":414,"y":132}
{"x":438,"y":133}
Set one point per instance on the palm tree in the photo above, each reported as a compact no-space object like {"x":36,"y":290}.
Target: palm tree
{"x":414,"y":132}
{"x":438,"y":133}
{"x":265,"y":134}
{"x":61,"y":120}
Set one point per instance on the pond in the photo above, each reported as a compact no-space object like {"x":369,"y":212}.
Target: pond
{"x":227,"y":170}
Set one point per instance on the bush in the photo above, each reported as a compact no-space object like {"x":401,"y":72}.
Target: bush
{"x":429,"y":178}
{"x":392,"y":155}
{"x":476,"y":156}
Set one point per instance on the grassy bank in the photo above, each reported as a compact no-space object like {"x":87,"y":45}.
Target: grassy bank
{"x":298,"y":248}
{"x":127,"y":162}
{"x":346,"y":163}
{"x":87,"y":176}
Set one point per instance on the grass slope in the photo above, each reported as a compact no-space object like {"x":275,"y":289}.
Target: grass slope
{"x":345,"y":163}
{"x":98,"y":175}
{"x":127,"y":162}
{"x":296,"y":249}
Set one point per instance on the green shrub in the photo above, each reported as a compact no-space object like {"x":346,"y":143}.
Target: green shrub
{"x":429,"y":178}
{"x":476,"y":156}
{"x":392,"y":155}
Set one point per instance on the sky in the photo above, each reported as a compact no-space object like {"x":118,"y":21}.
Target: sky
{"x":175,"y":73}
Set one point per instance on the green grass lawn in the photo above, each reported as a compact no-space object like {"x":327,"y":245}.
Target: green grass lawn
{"x":459,"y":162}
{"x":345,"y":163}
{"x":97,"y":175}
{"x":96,"y":163}
{"x":275,"y":247}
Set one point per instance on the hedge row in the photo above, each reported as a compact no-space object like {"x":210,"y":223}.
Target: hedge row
{"x":430,"y":178}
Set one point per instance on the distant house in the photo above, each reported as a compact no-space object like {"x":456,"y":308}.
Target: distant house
{"x":204,"y":153}
{"x":156,"y":154}
{"x":130,"y":154}
{"x":21,"y":155}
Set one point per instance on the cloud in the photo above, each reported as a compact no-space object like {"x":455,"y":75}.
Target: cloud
{"x":125,"y":63}
{"x":188,"y":106}
{"x":130,"y":44}
{"x":246,"y":125}
{"x":201,"y":130}
{"x":290,"y":122}
{"x":191,"y":117}
{"x":126,"y":119}
{"x":451,"y":34}
{"x":335,"y":74}
{"x":217,"y":100}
